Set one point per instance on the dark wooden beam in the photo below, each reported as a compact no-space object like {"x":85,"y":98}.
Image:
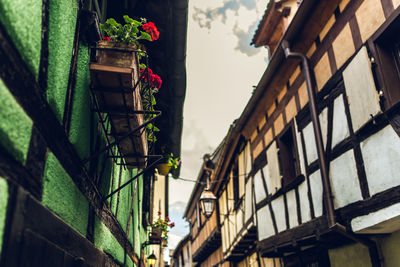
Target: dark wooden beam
{"x":30,"y":224}
{"x":72,"y":74}
{"x":14,"y":171}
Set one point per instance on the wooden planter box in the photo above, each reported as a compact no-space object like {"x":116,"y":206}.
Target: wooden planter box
{"x":114,"y":76}
{"x":156,"y":233}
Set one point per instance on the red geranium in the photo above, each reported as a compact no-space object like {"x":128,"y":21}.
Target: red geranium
{"x":156,"y":81}
{"x":151,"y":29}
{"x":153,"y":79}
{"x":148,"y":73}
{"x":106,"y":38}
{"x":171,"y":224}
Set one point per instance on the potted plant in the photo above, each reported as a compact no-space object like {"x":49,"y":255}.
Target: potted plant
{"x":116,"y":81}
{"x":169,"y":162}
{"x":159,"y":229}
{"x":122,"y":39}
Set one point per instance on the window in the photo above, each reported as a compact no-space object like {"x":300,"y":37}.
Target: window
{"x":288,"y":158}
{"x":386,"y":50}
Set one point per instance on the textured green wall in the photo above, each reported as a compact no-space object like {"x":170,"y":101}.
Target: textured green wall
{"x":23,"y":22}
{"x":62,"y":196}
{"x":79,"y":134}
{"x":354,"y":255}
{"x":3,"y":208}
{"x":62,"y":20}
{"x":15,"y":125}
{"x":104,"y":240}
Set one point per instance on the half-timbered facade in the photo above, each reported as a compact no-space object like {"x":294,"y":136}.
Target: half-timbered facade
{"x":205,"y":233}
{"x":303,"y":216}
{"x":69,"y":193}
{"x":308,"y":175}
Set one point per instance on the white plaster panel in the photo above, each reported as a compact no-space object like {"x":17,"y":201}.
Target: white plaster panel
{"x":323,"y":120}
{"x":273,"y":168}
{"x":239,"y":220}
{"x":344,"y":180}
{"x":224,"y":237}
{"x":248,"y":200}
{"x":267,"y":178}
{"x":309,"y":137}
{"x":360,"y":88}
{"x":265,"y":226}
{"x":248,"y":158}
{"x":232,"y":228}
{"x":381,"y":154}
{"x":278,"y":206}
{"x":386,"y":220}
{"x":304,"y":203}
{"x":316,"y":193}
{"x":259,"y":187}
{"x":340,"y":129}
{"x":300,"y":150}
{"x":309,"y":143}
{"x":292,"y":208}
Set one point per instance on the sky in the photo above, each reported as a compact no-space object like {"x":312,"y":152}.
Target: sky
{"x":222,"y":70}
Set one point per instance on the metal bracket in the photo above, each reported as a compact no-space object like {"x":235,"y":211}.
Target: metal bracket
{"x":160,"y":157}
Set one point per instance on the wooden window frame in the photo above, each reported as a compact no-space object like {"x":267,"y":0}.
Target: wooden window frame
{"x":386,"y":67}
{"x":289,"y":164}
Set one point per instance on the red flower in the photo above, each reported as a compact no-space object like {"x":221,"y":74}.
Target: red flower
{"x":151,"y":29}
{"x":167,"y":218}
{"x":171,"y":224}
{"x":159,"y":212}
{"x":148,"y":73}
{"x":155,"y":81}
{"x":106,"y":38}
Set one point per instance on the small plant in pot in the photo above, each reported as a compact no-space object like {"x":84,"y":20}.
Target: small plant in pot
{"x":160,"y":227}
{"x":124,"y":37}
{"x":169,"y":162}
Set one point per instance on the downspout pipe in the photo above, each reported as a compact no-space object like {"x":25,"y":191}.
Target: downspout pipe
{"x":375,"y":256}
{"x":317,"y":132}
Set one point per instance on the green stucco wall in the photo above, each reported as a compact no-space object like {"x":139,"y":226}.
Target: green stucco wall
{"x":62,"y":20}
{"x":390,"y":247}
{"x":62,"y":196}
{"x":104,"y":240}
{"x":79,"y":134}
{"x":354,"y":255}
{"x":23,"y":22}
{"x":3,"y":208}
{"x":15,"y":125}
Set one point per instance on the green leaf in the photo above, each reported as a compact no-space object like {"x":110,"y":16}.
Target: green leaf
{"x":146,"y":36}
{"x":112,"y":22}
{"x":128,"y":19}
{"x":136,"y":23}
{"x":142,"y":66}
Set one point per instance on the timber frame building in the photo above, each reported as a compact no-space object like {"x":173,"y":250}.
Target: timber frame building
{"x":314,"y":183}
{"x":62,"y":201}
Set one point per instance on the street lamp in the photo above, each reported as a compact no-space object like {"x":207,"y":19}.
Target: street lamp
{"x":207,"y":201}
{"x":152,"y":259}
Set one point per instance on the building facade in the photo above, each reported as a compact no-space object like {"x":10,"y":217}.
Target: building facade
{"x":62,"y":202}
{"x":308,"y":174}
{"x":182,"y":254}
